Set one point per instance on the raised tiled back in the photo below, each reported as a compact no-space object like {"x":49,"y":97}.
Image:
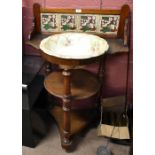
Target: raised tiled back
{"x":57,"y":22}
{"x":106,"y":23}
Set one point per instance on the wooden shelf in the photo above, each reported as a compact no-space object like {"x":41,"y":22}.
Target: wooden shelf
{"x":35,"y":41}
{"x":79,"y":119}
{"x":83,"y":84}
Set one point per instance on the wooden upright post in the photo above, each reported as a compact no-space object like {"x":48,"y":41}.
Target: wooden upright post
{"x":66,"y":141}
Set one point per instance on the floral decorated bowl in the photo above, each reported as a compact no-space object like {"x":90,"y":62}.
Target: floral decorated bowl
{"x":74,"y":45}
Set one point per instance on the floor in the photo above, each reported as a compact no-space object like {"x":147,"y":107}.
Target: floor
{"x":86,"y":144}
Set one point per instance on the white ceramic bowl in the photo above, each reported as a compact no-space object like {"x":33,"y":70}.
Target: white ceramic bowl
{"x":74,"y":45}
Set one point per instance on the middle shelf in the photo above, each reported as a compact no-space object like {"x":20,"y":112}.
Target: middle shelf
{"x":84,"y":84}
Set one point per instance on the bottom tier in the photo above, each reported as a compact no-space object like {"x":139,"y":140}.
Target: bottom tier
{"x":79,"y":119}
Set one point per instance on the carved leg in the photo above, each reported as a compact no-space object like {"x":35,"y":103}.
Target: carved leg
{"x":66,"y":141}
{"x":48,"y":68}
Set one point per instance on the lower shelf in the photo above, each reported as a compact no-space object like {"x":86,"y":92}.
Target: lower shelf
{"x":79,"y":119}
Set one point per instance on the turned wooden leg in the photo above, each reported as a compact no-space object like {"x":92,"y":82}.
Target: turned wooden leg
{"x":48,"y":68}
{"x":66,"y":141}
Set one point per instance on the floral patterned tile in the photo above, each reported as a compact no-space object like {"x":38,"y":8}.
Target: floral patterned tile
{"x":87,"y":23}
{"x":106,"y":24}
{"x":68,"y":22}
{"x":109,"y":24}
{"x":49,"y":22}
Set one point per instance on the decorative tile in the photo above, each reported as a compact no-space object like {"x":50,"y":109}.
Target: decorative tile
{"x":49,"y":22}
{"x":109,"y":24}
{"x":68,"y":22}
{"x":55,"y":22}
{"x":87,"y":23}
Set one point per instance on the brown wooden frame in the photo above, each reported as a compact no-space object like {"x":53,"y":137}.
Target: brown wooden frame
{"x":124,"y":13}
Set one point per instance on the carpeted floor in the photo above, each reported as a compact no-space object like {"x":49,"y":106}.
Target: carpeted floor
{"x":88,"y":144}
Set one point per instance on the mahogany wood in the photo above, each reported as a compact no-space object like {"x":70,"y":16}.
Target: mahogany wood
{"x":125,"y":12}
{"x":66,"y":108}
{"x":67,"y":87}
{"x":36,"y":13}
{"x":36,"y":39}
{"x":84,"y":84}
{"x":48,"y":68}
{"x":85,"y":11}
{"x":79,"y":119}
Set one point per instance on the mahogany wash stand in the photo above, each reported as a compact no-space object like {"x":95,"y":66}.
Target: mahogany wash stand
{"x":70,"y":84}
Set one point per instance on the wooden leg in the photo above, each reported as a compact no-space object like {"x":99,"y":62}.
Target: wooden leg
{"x":66,"y":141}
{"x":48,"y":68}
